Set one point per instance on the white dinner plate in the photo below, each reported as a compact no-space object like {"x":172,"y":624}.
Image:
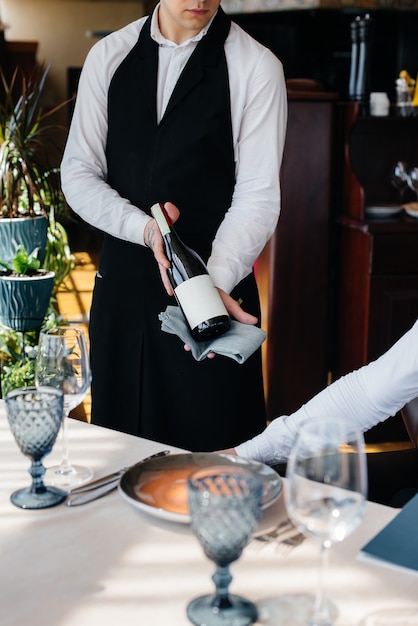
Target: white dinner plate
{"x":159,"y":486}
{"x":383,"y":211}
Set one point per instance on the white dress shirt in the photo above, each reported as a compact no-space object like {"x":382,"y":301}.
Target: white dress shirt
{"x":364,"y":397}
{"x":259,"y":118}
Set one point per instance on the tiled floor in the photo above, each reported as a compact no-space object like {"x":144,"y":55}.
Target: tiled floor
{"x":74,"y":304}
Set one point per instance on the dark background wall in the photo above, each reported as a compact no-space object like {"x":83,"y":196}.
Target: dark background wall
{"x":317,"y":44}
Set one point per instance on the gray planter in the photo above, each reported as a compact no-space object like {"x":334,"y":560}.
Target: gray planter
{"x":24,"y":300}
{"x":31,"y":231}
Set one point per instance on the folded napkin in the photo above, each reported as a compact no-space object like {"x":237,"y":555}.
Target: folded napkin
{"x":238,"y":343}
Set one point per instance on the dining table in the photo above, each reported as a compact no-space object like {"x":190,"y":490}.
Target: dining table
{"x":110,"y":563}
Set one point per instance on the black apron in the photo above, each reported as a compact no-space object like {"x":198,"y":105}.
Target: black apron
{"x":144,"y":383}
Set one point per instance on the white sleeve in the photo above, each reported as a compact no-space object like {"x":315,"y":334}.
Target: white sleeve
{"x":364,"y":397}
{"x":259,"y":118}
{"x":84,"y":166}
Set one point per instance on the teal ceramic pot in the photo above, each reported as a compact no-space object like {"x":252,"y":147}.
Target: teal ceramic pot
{"x":24,"y":300}
{"x":31,"y":231}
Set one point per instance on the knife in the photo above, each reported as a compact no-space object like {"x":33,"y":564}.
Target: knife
{"x":113,"y":477}
{"x":93,"y":494}
{"x":101,"y":487}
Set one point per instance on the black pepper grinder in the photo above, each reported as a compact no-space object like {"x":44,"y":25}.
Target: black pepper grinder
{"x":363,"y":75}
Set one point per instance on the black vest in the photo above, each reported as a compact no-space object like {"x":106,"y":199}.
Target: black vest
{"x":188,"y":157}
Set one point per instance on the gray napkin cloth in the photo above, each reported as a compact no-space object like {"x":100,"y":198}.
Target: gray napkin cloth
{"x":238,"y":343}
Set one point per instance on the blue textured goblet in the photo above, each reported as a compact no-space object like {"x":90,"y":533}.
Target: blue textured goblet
{"x":224,"y":507}
{"x":35,"y":416}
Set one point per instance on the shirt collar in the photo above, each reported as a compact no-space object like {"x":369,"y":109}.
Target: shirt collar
{"x":162,"y":41}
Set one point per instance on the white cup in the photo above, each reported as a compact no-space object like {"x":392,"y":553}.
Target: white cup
{"x":379,"y":103}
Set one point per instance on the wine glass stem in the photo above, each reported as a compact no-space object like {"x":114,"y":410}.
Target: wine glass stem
{"x":37,"y":472}
{"x":222,"y":579}
{"x":65,"y":462}
{"x":321,"y":615}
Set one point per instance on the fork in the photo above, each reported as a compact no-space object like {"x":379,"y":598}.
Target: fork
{"x":285,"y":534}
{"x":287,"y":545}
{"x":281,"y":528}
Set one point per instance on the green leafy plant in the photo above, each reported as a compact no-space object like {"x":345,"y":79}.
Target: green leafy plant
{"x":23,"y":263}
{"x":29,"y":184}
{"x":18,"y":350}
{"x":58,"y":255}
{"x":18,"y":353}
{"x":17,"y":375}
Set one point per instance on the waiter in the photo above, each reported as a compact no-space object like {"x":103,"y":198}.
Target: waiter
{"x":179,"y":107}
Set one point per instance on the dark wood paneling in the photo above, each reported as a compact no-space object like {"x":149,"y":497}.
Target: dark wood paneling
{"x":378,"y":258}
{"x":297,"y":260}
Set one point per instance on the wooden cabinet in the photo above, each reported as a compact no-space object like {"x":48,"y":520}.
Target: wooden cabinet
{"x":378,"y":258}
{"x":17,"y":54}
{"x":378,"y":290}
{"x":372,"y":145}
{"x":294,"y":269}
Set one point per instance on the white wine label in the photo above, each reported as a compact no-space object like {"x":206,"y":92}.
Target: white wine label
{"x":200,"y":300}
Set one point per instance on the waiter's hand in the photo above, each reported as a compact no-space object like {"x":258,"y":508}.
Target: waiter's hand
{"x":154,"y":240}
{"x":235,"y":311}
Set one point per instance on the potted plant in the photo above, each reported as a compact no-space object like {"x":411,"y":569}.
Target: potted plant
{"x":27,"y":298}
{"x":25,"y":291}
{"x":29,"y":182}
{"x":18,"y":353}
{"x":31,"y":199}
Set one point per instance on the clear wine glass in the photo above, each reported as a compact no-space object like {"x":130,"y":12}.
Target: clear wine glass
{"x":62,"y":362}
{"x":225,"y":507}
{"x":399,"y":178}
{"x":325,"y":498}
{"x":35,"y":416}
{"x":413,"y":180}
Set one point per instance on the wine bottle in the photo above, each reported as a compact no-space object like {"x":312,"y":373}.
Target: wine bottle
{"x":193,"y":288}
{"x":363,"y":75}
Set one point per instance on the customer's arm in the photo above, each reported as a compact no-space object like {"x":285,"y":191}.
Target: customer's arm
{"x":364,"y":397}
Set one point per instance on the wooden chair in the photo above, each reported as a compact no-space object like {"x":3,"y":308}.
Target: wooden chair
{"x":410,"y":418}
{"x":303,"y":84}
{"x":393,"y":475}
{"x":304,"y":89}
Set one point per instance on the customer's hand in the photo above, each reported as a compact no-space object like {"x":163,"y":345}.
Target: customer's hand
{"x":227,"y":451}
{"x":154,"y":240}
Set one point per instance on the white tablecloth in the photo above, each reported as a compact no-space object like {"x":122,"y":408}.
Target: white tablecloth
{"x":107,"y":563}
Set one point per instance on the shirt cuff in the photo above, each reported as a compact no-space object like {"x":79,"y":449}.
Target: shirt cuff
{"x":134,"y":227}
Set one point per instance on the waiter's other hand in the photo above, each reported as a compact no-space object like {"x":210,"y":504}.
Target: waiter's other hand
{"x":235,"y":311}
{"x":154,"y":240}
